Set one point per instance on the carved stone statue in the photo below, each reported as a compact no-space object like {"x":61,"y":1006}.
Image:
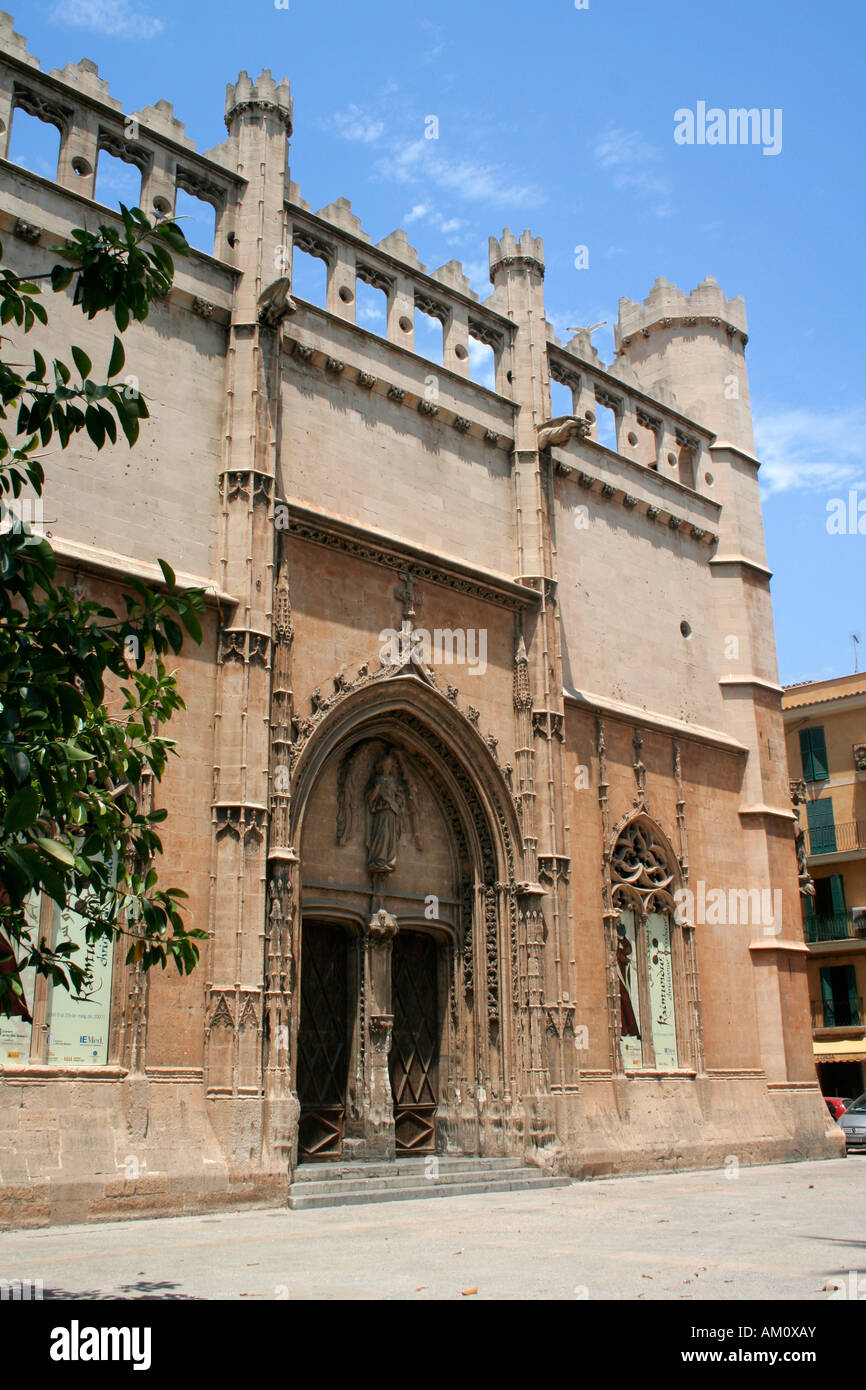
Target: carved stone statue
{"x":386,"y":805}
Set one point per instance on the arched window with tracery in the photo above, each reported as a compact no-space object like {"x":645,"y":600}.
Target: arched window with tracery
{"x":653,"y":961}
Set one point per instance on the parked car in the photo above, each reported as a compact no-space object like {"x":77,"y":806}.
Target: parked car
{"x":837,"y":1105}
{"x":853,"y":1123}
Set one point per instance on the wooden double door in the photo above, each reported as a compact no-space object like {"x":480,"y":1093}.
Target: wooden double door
{"x":327,"y":1039}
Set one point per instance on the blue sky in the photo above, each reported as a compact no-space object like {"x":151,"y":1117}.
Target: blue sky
{"x":561,"y":119}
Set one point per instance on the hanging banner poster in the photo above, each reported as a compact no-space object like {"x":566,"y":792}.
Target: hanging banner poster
{"x":661,"y":990}
{"x":15,"y":1032}
{"x":629,"y":1000}
{"x":78,"y":1023}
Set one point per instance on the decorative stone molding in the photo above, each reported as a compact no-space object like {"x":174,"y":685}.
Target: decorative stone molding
{"x":27,"y":231}
{"x":554,"y":867}
{"x":248,"y":484}
{"x":560,"y":1019}
{"x":241,"y":821}
{"x":548,"y":724}
{"x":396,"y":393}
{"x":367,"y":380}
{"x":382,"y":926}
{"x":244,"y":645}
{"x":203,"y":307}
{"x":427,"y":408}
{"x":461,"y":424}
{"x":321,"y":530}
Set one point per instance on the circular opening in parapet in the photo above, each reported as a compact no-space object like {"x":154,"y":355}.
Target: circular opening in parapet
{"x":685,"y":628}
{"x":346,"y":294}
{"x":232,"y":239}
{"x":461,"y":353}
{"x":162,"y":206}
{"x":709,"y":479}
{"x":672,"y":460}
{"x":632,"y":438}
{"x":406,"y":324}
{"x":590,"y":416}
{"x":81,"y":166}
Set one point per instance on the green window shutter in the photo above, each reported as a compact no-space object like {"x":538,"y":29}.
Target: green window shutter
{"x":813,"y":751}
{"x":806,"y":754}
{"x":822,"y":827}
{"x":820,"y":763}
{"x":853,"y":1002}
{"x":837,"y":894}
{"x":827,"y":996}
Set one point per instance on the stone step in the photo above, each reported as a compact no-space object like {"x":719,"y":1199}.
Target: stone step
{"x":408,"y":1166}
{"x":397,"y":1181}
{"x":384,"y":1191}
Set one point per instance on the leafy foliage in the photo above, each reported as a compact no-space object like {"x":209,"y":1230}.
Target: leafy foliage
{"x":84,"y":691}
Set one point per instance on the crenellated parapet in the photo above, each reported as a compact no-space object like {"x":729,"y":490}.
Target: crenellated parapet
{"x":692,"y":345}
{"x":153,"y":141}
{"x":264,"y":95}
{"x":336,"y":236}
{"x":507,"y":251}
{"x":665,"y":305}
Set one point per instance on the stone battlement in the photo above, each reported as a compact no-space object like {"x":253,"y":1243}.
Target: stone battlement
{"x":264,"y":94}
{"x":506,"y":250}
{"x":665,"y":304}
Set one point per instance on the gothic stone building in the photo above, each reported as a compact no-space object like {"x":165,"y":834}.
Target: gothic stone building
{"x":484,"y":727}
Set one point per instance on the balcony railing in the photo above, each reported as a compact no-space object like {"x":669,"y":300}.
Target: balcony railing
{"x":846,"y":1014}
{"x":837,"y":839}
{"x":839,"y":926}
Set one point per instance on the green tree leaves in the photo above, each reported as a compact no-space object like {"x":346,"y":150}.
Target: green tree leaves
{"x":81,"y":741}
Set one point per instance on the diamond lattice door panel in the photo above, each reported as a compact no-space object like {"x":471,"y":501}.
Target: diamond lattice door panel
{"x":414,"y":1058}
{"x":323,"y":1053}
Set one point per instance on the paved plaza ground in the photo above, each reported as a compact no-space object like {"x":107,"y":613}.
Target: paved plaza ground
{"x":776,"y":1232}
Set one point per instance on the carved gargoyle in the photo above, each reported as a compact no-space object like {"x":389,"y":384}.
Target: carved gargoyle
{"x":276,"y":302}
{"x":561,"y":430}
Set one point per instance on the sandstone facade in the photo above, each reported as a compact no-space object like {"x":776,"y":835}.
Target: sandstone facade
{"x":458,"y":875}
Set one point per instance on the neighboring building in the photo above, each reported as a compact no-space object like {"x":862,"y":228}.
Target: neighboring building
{"x":481,"y":791}
{"x":825,"y":726}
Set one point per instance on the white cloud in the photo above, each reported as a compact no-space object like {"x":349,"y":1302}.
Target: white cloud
{"x":439,"y":44}
{"x":119,"y":19}
{"x":418,"y":211}
{"x":628,"y":158}
{"x":420,"y":161}
{"x":354,"y":124}
{"x":810,"y":450}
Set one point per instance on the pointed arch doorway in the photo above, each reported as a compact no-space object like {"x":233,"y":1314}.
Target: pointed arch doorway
{"x":406,"y":838}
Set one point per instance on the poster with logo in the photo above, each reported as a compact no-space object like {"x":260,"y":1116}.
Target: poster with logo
{"x":78,"y":1023}
{"x":661,"y":990}
{"x":629,"y":997}
{"x":15,"y":1032}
